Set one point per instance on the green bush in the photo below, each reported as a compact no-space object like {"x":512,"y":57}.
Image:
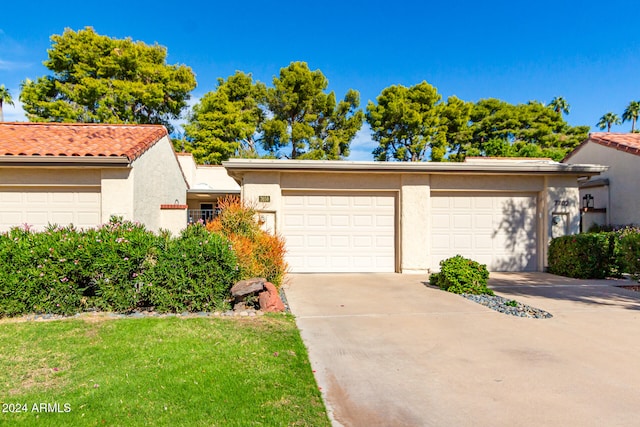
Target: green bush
{"x":194,"y":273}
{"x":462,"y":276}
{"x":584,"y":256}
{"x":629,"y":253}
{"x":65,"y":271}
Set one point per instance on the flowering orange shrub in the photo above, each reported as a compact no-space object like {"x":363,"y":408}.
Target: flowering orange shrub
{"x":260,"y":254}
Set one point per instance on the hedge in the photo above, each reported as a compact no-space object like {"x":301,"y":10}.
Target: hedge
{"x":118,"y":267}
{"x":596,"y":255}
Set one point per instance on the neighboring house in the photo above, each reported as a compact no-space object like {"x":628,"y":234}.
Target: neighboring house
{"x":84,"y":173}
{"x":341,"y":216}
{"x":207,"y":185}
{"x":611,"y":198}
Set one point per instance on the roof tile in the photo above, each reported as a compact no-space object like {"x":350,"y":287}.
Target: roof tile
{"x":78,"y":139}
{"x":628,"y":142}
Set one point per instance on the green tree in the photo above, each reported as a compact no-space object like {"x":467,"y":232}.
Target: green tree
{"x":98,"y":79}
{"x":408,"y":123}
{"x":524,"y":130}
{"x":225,"y":121}
{"x":609,"y":119}
{"x":559,"y":105}
{"x":5,"y":98}
{"x":306,"y":119}
{"x":631,"y":114}
{"x":456,"y":117}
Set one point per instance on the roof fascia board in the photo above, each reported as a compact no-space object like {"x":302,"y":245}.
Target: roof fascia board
{"x":386,"y":167}
{"x":102,"y":161}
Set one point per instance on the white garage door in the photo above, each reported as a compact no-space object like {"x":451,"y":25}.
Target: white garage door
{"x":80,"y":207}
{"x":339,"y":232}
{"x":494,"y":229}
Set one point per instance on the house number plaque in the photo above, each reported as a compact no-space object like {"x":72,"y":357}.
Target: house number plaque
{"x":264,"y":199}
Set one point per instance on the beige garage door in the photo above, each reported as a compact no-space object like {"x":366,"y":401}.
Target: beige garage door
{"x":38,"y":208}
{"x":339,"y":232}
{"x":494,"y":229}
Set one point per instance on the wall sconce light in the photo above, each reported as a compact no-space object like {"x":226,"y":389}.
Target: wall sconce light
{"x":587,"y":202}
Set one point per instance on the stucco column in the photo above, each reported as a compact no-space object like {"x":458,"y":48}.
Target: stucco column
{"x":414,"y":224}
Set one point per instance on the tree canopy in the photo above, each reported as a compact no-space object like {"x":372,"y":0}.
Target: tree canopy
{"x":607,"y":120}
{"x":631,"y":114}
{"x":409,"y":123}
{"x":295,"y":118}
{"x":305,"y":119}
{"x":98,"y":79}
{"x":225,"y":121}
{"x":5,"y":98}
{"x":413,"y":124}
{"x":501,"y":129}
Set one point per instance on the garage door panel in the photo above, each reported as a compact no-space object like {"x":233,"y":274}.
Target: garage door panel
{"x":358,"y":232}
{"x":339,"y":221}
{"x":493,"y":229}
{"x":38,"y":208}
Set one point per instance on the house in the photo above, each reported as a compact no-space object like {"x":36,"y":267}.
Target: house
{"x":336,"y":216}
{"x":343,"y":216}
{"x":62,"y":173}
{"x":610,"y":199}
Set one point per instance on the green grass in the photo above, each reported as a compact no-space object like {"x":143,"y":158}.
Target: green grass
{"x":160,"y":372}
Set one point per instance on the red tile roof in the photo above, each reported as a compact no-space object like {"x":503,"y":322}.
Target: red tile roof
{"x":78,"y":139}
{"x":629,"y":142}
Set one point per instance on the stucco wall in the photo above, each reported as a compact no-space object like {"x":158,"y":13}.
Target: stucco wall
{"x":157,"y":179}
{"x":623,"y":175}
{"x":117,"y":193}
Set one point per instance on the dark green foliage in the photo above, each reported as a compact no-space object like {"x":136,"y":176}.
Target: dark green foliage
{"x":119,"y":267}
{"x":462,"y":276}
{"x":629,"y":252}
{"x":193,"y":273}
{"x":98,"y":79}
{"x":583,"y":256}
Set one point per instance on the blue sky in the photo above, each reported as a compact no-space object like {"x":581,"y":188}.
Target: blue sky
{"x":587,"y":52}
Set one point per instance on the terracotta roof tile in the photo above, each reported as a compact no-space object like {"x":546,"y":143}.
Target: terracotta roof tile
{"x":628,"y":142}
{"x":78,"y":139}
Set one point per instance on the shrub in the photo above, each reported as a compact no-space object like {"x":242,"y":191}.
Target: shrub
{"x":64,"y":270}
{"x":193,"y":273}
{"x":259,"y":253}
{"x":629,"y":253}
{"x":462,"y":276}
{"x":583,"y":256}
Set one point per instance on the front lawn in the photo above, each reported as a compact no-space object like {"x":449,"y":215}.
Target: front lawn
{"x":157,"y":371}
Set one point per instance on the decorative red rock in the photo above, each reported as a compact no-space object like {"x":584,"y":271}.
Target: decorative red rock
{"x":269,"y":299}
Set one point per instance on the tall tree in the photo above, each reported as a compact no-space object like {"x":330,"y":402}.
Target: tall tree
{"x":5,"y":98}
{"x":631,"y":114}
{"x":559,"y":105}
{"x":529,"y":130}
{"x":98,"y":79}
{"x":408,"y":123}
{"x":225,"y":121}
{"x":609,"y":119}
{"x":306,"y":119}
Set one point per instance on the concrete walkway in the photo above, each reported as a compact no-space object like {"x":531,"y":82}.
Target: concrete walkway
{"x":390,"y":351}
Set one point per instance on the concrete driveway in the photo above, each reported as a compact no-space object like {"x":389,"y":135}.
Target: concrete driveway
{"x":390,"y":351}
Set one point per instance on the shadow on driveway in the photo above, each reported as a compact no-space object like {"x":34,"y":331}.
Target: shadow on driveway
{"x":556,"y":288}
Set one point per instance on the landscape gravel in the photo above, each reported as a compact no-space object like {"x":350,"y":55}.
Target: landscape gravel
{"x":507,"y":306}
